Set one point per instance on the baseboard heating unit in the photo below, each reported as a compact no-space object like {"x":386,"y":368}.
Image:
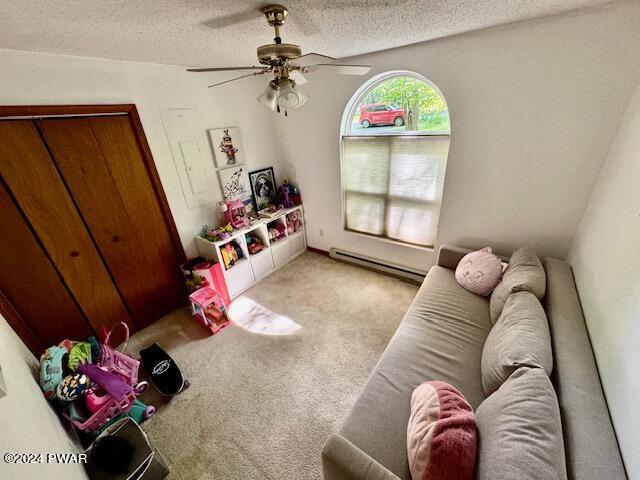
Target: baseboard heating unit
{"x":406,"y":273}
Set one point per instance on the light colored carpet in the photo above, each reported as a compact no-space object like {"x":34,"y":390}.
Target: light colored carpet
{"x":261,"y":406}
{"x":252,"y":316}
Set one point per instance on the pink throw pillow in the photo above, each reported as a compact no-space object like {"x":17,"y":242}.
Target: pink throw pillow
{"x":441,"y":435}
{"x":480,"y":271}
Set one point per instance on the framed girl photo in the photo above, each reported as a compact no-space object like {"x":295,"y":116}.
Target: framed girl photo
{"x":263,"y":187}
{"x":227,"y":146}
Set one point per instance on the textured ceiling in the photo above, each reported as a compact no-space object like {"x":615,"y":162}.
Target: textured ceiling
{"x":226,"y":32}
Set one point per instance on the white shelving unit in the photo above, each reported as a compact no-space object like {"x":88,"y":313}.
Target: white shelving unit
{"x":253,"y":268}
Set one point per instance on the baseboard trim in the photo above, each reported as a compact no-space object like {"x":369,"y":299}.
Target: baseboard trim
{"x":318,"y":251}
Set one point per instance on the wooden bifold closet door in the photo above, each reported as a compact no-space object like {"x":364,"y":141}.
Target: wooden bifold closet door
{"x":87,"y":243}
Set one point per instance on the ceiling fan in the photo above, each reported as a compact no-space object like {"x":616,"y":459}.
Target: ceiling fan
{"x":287,"y":64}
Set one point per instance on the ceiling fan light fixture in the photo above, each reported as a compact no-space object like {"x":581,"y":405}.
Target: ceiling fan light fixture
{"x":287,"y":95}
{"x":302,"y":99}
{"x":269,"y":98}
{"x":287,"y":65}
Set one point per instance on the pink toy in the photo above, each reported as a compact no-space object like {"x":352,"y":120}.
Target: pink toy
{"x":479,"y":271}
{"x":117,"y":374}
{"x":294,"y":222}
{"x":236,"y":214}
{"x":208,"y":308}
{"x":276,"y":232}
{"x":212,"y":273}
{"x":112,"y":387}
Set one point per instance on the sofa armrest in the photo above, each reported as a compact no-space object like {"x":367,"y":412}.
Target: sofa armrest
{"x":449,"y":256}
{"x":342,"y":460}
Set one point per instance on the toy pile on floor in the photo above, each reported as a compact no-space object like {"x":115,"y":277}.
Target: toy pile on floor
{"x":92,"y":384}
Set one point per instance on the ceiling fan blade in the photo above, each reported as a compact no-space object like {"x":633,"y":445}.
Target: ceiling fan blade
{"x":237,"y":78}
{"x":310,"y":59}
{"x":297,"y":77}
{"x":342,"y":69}
{"x":222,"y":69}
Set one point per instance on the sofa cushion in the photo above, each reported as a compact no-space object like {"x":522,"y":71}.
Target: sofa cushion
{"x":441,"y":436}
{"x":524,"y":273}
{"x":519,"y":430}
{"x":479,"y":271}
{"x":342,"y":460}
{"x":519,"y":338}
{"x":590,"y":441}
{"x":440,"y":338}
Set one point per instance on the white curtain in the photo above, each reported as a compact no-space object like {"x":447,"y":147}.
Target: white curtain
{"x":393,"y":185}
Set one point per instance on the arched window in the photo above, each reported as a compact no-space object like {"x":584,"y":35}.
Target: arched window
{"x":395,"y":142}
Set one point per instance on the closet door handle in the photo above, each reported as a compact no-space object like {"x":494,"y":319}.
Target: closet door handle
{"x":75,"y":253}
{"x":116,"y":238}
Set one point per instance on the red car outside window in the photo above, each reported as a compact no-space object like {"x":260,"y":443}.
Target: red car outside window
{"x":380,"y":114}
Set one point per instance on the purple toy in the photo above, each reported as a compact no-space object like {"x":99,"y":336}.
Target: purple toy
{"x":283,"y":193}
{"x":110,"y":382}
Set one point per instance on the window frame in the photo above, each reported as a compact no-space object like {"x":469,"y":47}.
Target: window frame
{"x":353,"y":107}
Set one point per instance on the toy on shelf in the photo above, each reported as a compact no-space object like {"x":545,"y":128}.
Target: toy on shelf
{"x":254,"y":243}
{"x":208,"y":308}
{"x":268,"y":212}
{"x":277,"y":231}
{"x":230,"y":252}
{"x":288,"y":194}
{"x":216,"y":234}
{"x":253,"y":217}
{"x":284,"y":195}
{"x":235,"y":213}
{"x":294,"y":222}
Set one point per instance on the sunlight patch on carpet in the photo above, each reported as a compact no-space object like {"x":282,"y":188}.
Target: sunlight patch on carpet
{"x":252,"y":316}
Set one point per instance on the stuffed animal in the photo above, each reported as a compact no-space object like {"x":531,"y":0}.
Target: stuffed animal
{"x":294,"y":222}
{"x":283,"y":195}
{"x":480,"y":271}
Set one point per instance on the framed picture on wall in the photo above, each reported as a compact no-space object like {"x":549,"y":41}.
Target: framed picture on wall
{"x":234,"y":183}
{"x":263,"y":187}
{"x":227,"y":146}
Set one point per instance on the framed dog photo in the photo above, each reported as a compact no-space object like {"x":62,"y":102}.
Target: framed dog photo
{"x":263,"y":187}
{"x":227,"y":147}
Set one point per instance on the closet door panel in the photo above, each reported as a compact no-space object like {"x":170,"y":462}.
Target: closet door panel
{"x":35,"y":183}
{"x":86,"y":173}
{"x":121,"y":151}
{"x":31,"y":285}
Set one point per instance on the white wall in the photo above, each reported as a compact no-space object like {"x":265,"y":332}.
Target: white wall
{"x":605,"y":257}
{"x":27,"y":422}
{"x":33,"y":78}
{"x":534,"y":109}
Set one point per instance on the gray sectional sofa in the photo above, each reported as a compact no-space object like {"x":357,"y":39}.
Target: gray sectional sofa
{"x":441,"y":338}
